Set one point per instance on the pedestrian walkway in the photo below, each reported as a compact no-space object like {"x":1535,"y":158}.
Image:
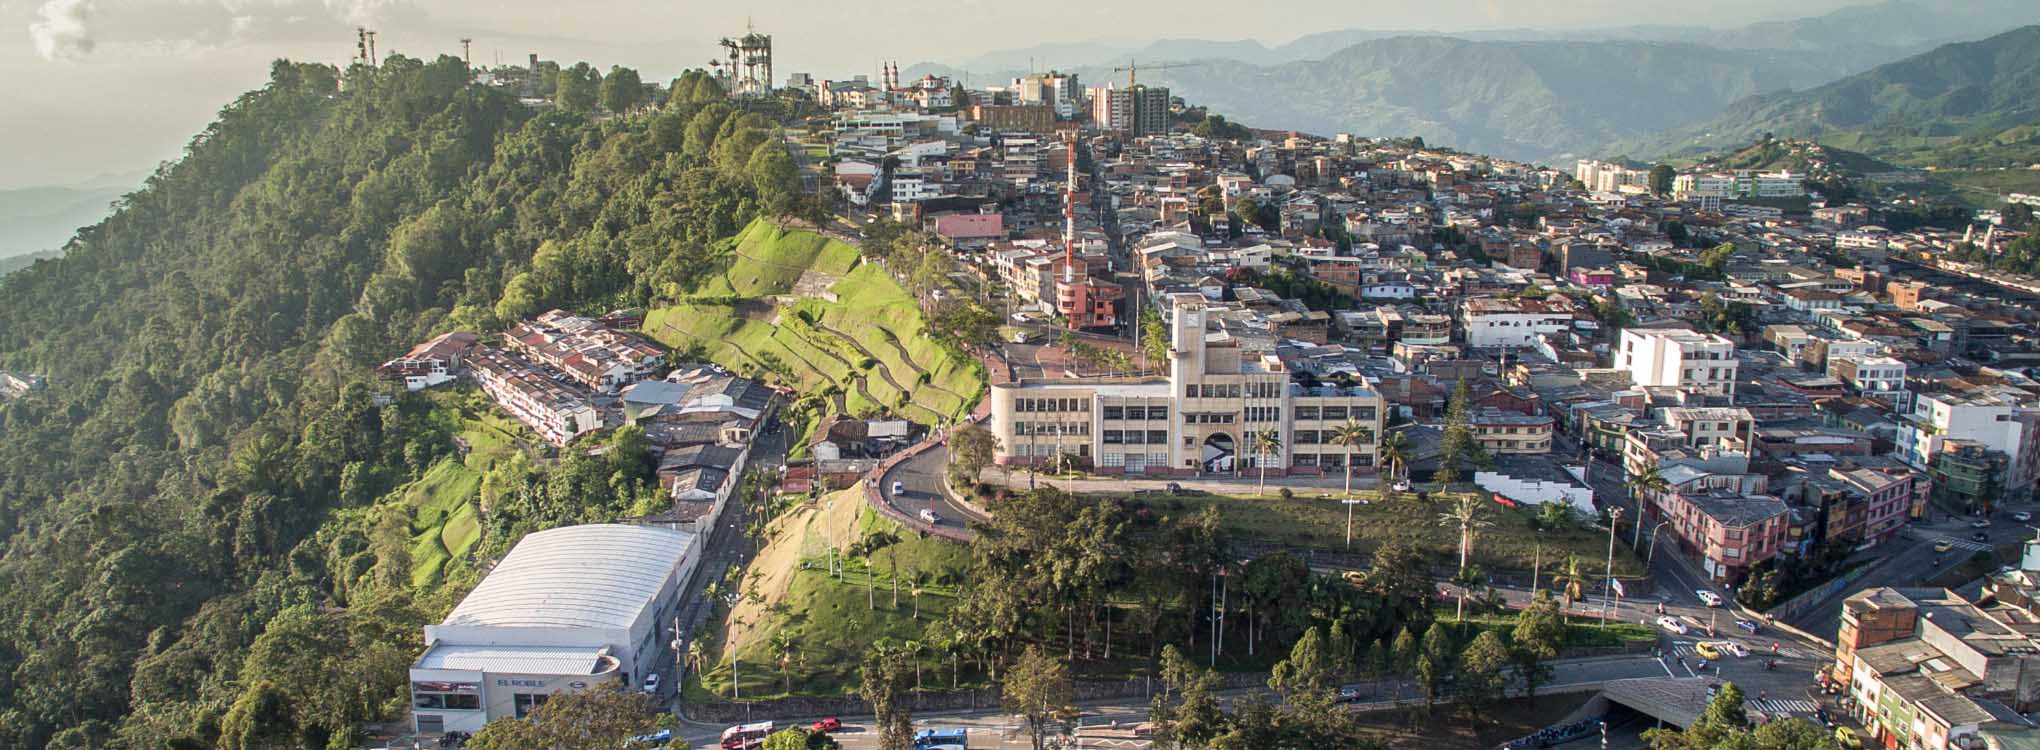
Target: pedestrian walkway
{"x":1785,"y":706}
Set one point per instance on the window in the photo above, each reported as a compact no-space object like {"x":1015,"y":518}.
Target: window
{"x":1335,"y":412}
{"x":1304,"y":437}
{"x":1306,"y":412}
{"x":1111,"y":437}
{"x":1112,"y":459}
{"x":456,"y":696}
{"x":1114,"y":412}
{"x":1136,"y":437}
{"x":1735,"y":535}
{"x":1364,"y":413}
{"x":1305,"y":459}
{"x":1158,"y":437}
{"x":1158,"y":412}
{"x":527,"y":702}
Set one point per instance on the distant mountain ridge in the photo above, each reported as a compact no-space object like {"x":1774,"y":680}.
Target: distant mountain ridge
{"x":1522,"y":93}
{"x":1959,"y":93}
{"x":40,"y":219}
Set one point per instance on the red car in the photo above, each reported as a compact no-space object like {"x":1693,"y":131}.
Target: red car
{"x":830,"y":724}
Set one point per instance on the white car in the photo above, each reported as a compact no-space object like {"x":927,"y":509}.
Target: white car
{"x":929,"y":515}
{"x":1708,"y":598}
{"x":2022,"y":516}
{"x":898,"y":489}
{"x":1735,"y":649}
{"x":652,"y":683}
{"x":1672,"y":624}
{"x":1401,"y":485}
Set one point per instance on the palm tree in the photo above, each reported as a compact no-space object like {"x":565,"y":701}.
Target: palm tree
{"x":1466,"y":515}
{"x":1395,"y":451}
{"x":1571,"y":584}
{"x":695,"y":653}
{"x":783,"y":648}
{"x":914,"y":649}
{"x":1266,"y":443}
{"x":916,"y":580}
{"x":1349,"y":435}
{"x":1644,"y":484}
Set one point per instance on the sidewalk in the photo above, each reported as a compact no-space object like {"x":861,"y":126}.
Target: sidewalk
{"x":1017,"y":478}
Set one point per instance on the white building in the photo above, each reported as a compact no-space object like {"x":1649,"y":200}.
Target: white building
{"x":2001,"y":419}
{"x":1678,"y":358}
{"x":1510,"y":323}
{"x":567,"y":610}
{"x":1200,"y":419}
{"x":1878,"y":377}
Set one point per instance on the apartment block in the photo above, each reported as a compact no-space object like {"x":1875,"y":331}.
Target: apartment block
{"x":1678,"y":358}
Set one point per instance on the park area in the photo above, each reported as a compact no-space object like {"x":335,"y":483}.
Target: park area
{"x":802,"y":310}
{"x":1515,"y":539}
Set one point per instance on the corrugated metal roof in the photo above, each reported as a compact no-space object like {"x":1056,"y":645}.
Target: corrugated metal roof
{"x":593,"y":576}
{"x":514,"y":659}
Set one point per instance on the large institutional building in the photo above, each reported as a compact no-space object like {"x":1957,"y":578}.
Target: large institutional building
{"x":1199,"y":419}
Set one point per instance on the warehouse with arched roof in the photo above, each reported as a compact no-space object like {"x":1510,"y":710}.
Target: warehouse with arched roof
{"x":566,"y":609}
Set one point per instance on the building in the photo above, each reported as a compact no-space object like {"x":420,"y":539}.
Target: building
{"x":1199,"y":419}
{"x":1996,"y":418}
{"x":1512,"y":323}
{"x":430,"y":363}
{"x":1678,"y":358}
{"x":557,"y":411}
{"x":1929,"y":669}
{"x":1725,"y":521}
{"x":568,"y":609}
{"x":1502,"y":432}
{"x":1013,"y":118}
{"x":1135,"y":111}
{"x":1878,"y":377}
{"x":585,"y":350}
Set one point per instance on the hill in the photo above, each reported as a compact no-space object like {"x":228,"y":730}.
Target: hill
{"x":1973,"y":99}
{"x":221,"y":528}
{"x":802,"y":310}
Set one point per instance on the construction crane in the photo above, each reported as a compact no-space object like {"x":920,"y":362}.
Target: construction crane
{"x":1132,"y":70}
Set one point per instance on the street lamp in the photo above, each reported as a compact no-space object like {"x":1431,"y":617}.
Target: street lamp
{"x":1649,"y":554}
{"x":1608,"y":585}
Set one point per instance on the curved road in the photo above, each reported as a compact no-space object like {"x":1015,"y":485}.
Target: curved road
{"x":922,"y":478}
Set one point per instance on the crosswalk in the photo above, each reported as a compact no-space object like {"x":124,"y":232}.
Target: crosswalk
{"x":1784,"y":706}
{"x":1757,"y":651}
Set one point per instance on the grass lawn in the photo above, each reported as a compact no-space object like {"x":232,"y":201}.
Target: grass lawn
{"x":1511,"y":543}
{"x":445,"y":524}
{"x":832,"y":622}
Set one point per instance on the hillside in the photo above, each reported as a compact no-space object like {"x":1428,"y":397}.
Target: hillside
{"x":1974,"y":98}
{"x":802,"y":310}
{"x":216,"y":534}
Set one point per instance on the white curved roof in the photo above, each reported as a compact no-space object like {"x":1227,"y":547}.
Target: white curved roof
{"x":593,"y":576}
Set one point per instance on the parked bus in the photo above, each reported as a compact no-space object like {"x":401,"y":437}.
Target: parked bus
{"x":746,"y":736}
{"x":942,"y":739}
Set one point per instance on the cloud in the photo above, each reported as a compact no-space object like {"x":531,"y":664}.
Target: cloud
{"x":60,"y":31}
{"x":360,"y":12}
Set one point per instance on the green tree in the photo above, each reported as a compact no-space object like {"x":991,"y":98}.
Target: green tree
{"x":774,"y":177}
{"x":622,"y":90}
{"x":1351,"y":435}
{"x":1481,"y":680}
{"x":1395,"y":452}
{"x":1186,"y":711}
{"x":1155,"y":336}
{"x":603,"y":718}
{"x":971,"y":449}
{"x":579,"y":88}
{"x":1311,"y":669}
{"x":1539,"y":634}
{"x":1038,"y":688}
{"x":1435,"y":663}
{"x":884,"y":681}
{"x":1661,"y":177}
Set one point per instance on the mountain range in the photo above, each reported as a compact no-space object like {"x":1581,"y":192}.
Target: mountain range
{"x":1972,"y":103}
{"x":1521,"y":93}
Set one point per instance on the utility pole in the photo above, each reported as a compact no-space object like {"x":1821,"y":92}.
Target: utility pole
{"x":467,"y":56}
{"x":1608,"y":587}
{"x":371,"y":50}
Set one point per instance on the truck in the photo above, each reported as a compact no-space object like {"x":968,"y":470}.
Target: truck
{"x":746,"y":736}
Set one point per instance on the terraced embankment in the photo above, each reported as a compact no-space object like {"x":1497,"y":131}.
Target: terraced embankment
{"x":801,"y":310}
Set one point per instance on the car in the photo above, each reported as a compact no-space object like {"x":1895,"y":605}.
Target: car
{"x":660,"y":737}
{"x":830,"y":724}
{"x":652,"y":683}
{"x":1349,"y":694}
{"x":1943,"y":545}
{"x":1735,"y":649}
{"x":1980,"y":537}
{"x":1748,"y":626}
{"x":1846,"y":738}
{"x":1708,"y":598}
{"x":929,"y":515}
{"x":1401,"y":485}
{"x":1981,"y":523}
{"x":2022,"y":516}
{"x":1707,"y":651}
{"x":1672,"y":624}
{"x":899,"y":488}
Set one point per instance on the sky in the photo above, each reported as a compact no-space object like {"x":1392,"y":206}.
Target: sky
{"x":103,"y":90}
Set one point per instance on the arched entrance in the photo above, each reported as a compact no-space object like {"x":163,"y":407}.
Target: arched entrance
{"x":1219,"y":453}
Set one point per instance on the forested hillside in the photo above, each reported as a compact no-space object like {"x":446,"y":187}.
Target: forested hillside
{"x":208,"y":521}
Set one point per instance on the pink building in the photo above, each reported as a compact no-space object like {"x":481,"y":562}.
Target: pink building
{"x":1729,"y":528}
{"x":1594,"y":277}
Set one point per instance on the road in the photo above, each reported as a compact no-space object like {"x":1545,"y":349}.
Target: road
{"x":921,"y":477}
{"x":1910,"y":560}
{"x":995,"y":729}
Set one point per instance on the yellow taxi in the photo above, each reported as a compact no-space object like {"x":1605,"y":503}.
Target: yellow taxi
{"x":1707,"y":651}
{"x":1847,"y":739}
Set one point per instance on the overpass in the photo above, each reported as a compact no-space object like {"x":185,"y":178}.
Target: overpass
{"x":1678,"y":701}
